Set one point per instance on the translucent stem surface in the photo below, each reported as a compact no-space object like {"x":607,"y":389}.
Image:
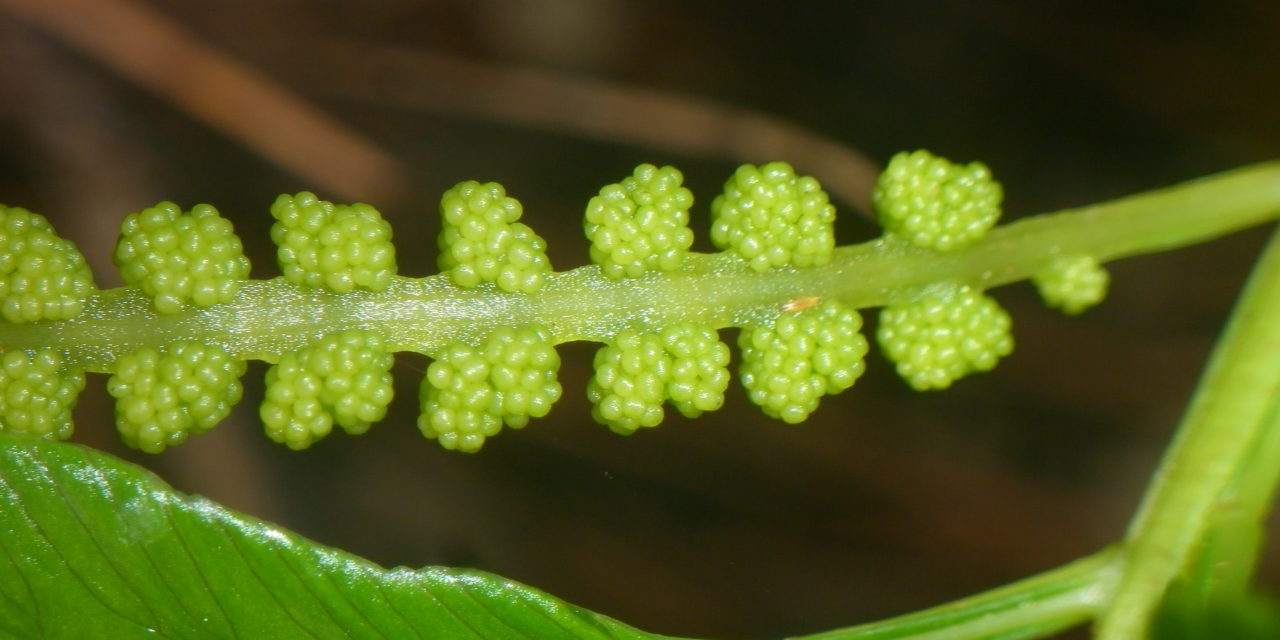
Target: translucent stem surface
{"x":269,"y":318}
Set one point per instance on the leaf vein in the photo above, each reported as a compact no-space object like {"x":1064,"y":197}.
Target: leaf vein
{"x":480,"y":602}
{"x":163,"y":576}
{"x":42,"y":470}
{"x":13,"y":562}
{"x":186,"y":549}
{"x":221,"y":527}
{"x":427,"y":590}
{"x":341,"y":591}
{"x":315,"y":596}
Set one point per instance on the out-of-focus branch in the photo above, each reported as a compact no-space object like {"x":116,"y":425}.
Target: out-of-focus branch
{"x":169,"y":60}
{"x":606,"y":110}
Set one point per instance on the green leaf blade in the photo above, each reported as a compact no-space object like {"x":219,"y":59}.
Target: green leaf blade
{"x":91,"y":546}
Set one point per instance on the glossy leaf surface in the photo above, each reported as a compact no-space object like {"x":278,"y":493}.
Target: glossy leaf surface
{"x":94,"y":547}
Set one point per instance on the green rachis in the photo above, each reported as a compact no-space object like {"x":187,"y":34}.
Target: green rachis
{"x":175,"y":339}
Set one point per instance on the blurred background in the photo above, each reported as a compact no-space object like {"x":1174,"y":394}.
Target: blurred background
{"x":733,"y":525}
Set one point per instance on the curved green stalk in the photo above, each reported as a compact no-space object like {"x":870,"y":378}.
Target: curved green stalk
{"x":1221,"y":430}
{"x":1031,"y":608}
{"x":1216,"y":587}
{"x":1223,"y":568}
{"x":269,"y":318}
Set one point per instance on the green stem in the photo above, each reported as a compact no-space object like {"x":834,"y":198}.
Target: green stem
{"x":1241,"y":511}
{"x":1221,"y":429}
{"x":1033,"y":608}
{"x":1223,"y":568}
{"x":269,"y":318}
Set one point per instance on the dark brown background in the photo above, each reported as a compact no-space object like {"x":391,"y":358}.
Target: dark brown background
{"x":731,"y":526}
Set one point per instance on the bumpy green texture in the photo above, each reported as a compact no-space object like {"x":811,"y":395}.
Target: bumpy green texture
{"x":771,"y":217}
{"x":699,"y":368}
{"x":640,"y":224}
{"x":181,"y":258}
{"x":481,"y":240}
{"x":936,"y":204}
{"x":470,"y":392}
{"x":945,"y":334}
{"x":36,"y":394}
{"x":1072,"y":283}
{"x":630,"y":379}
{"x":767,"y":216}
{"x":684,"y":363}
{"x":790,"y":363}
{"x":343,"y":378}
{"x":337,"y":247}
{"x":42,"y":276}
{"x":163,"y":395}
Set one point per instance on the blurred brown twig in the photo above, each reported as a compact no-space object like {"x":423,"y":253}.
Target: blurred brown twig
{"x":176,"y":64}
{"x":614,"y":111}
